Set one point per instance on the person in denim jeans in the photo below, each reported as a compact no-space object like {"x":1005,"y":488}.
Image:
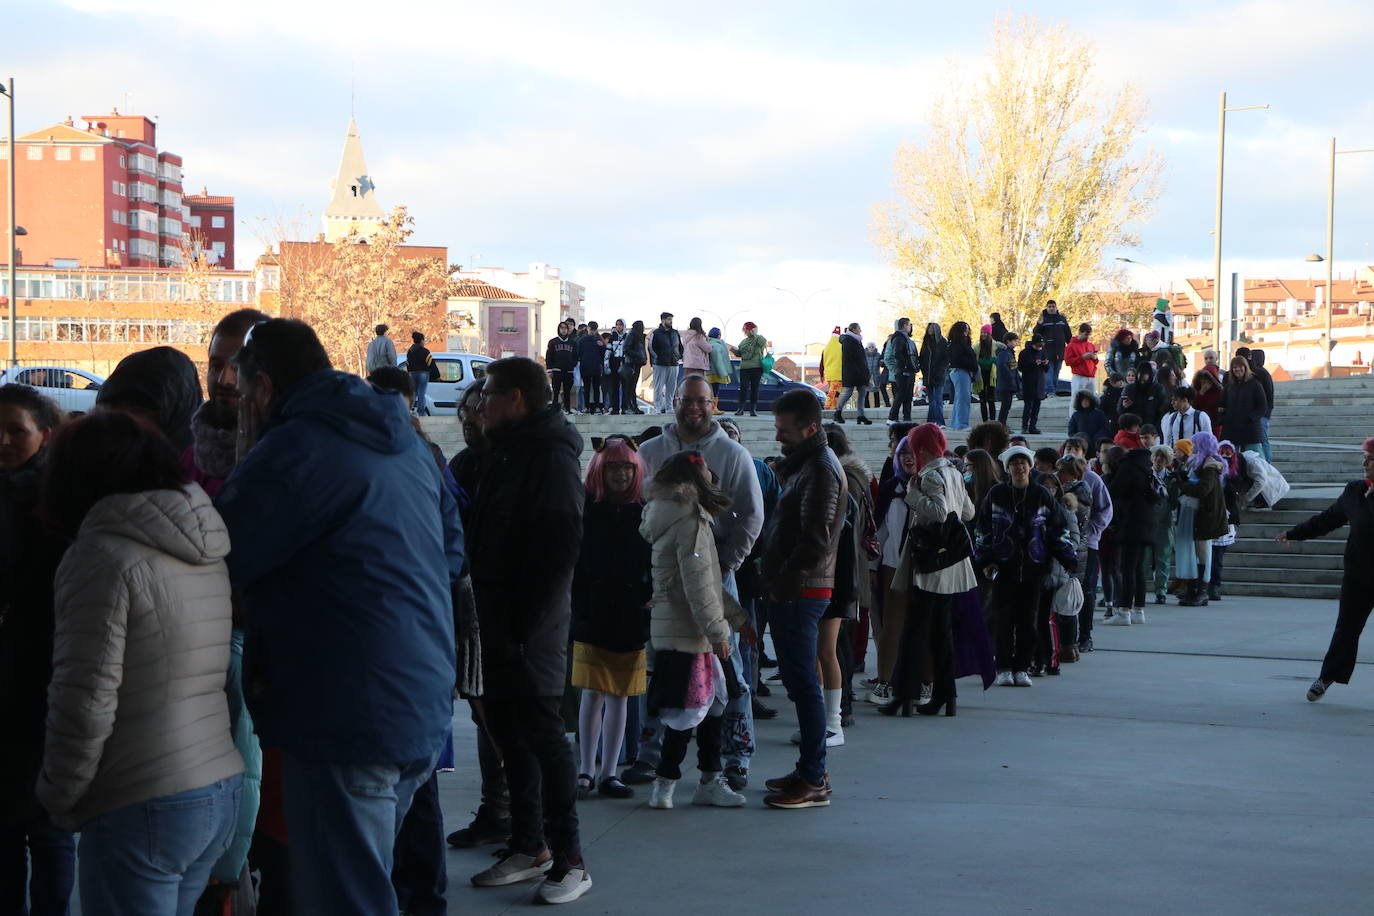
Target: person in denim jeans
{"x":418,"y":361}
{"x":801,"y":543}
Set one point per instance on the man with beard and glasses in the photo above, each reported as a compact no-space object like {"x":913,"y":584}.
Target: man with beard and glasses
{"x":214,"y":428}
{"x":735,"y":531}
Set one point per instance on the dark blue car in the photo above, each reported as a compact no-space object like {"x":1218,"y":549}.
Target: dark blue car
{"x":771,"y":386}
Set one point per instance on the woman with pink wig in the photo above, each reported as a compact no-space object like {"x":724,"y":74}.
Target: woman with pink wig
{"x":611,"y":590}
{"x":1355,"y":508}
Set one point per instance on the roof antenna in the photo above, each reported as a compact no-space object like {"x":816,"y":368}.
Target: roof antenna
{"x":352,"y":89}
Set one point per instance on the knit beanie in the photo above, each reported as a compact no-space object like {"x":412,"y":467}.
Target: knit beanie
{"x":1185,"y":446}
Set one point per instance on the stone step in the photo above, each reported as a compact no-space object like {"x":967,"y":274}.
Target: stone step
{"x":1287,"y":561}
{"x":1254,"y":574}
{"x":1258,"y":545}
{"x":1275,"y":590}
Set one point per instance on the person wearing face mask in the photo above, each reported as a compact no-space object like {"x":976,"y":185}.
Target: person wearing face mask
{"x":39,"y":858}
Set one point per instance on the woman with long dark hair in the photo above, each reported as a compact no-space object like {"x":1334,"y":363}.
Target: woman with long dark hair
{"x":987,"y":362}
{"x":963,"y":366}
{"x":934,"y":372}
{"x":636,"y":355}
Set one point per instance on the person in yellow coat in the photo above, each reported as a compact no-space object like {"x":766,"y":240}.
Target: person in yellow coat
{"x":832,"y":366}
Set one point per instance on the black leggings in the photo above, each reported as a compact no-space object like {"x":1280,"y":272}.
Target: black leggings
{"x":1015,"y":609}
{"x":987,"y":402}
{"x":675,"y":748}
{"x":591,"y":391}
{"x":1132,"y":594}
{"x":562,"y":382}
{"x":749,"y":388}
{"x":927,"y":627}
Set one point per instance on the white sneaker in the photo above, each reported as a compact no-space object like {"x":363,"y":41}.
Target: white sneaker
{"x":717,"y":792}
{"x":512,"y":868}
{"x":834,"y":738}
{"x":1138,"y":616}
{"x":880,"y":695}
{"x":1023,"y":679}
{"x":1121,"y":618}
{"x":662,"y":795}
{"x":573,"y":884}
{"x":1004,"y":679}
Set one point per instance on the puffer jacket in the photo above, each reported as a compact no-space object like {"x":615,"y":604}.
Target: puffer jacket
{"x":1210,"y":521}
{"x":938,"y":491}
{"x":696,"y":351}
{"x":802,"y":537}
{"x":859,"y":480}
{"x":136,"y":707}
{"x":689,"y":610}
{"x":1007,"y":378}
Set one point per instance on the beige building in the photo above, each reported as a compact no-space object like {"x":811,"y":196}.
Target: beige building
{"x":558,"y":298}
{"x":353,"y":206}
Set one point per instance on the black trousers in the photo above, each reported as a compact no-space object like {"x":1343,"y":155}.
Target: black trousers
{"x":591,"y":392}
{"x":928,"y":625}
{"x":1015,"y":606}
{"x":1085,"y":616}
{"x":1030,"y":414}
{"x":1132,"y":594}
{"x":1218,"y":560}
{"x":1004,"y":413}
{"x":675,"y":748}
{"x":539,"y":770}
{"x":562,"y":382}
{"x":610,"y":385}
{"x":495,"y":793}
{"x":749,"y":388}
{"x":1357,"y":600}
{"x":903,"y":388}
{"x":629,"y":380}
{"x":987,"y":403}
{"x":418,"y":869}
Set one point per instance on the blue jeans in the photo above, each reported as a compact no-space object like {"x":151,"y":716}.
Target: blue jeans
{"x":1264,"y":440}
{"x":794,"y":625}
{"x":1052,"y":376}
{"x":420,"y":382}
{"x":154,"y":857}
{"x":37,"y":858}
{"x":935,"y":400}
{"x":343,"y":819}
{"x":963,"y":391}
{"x":737,"y":727}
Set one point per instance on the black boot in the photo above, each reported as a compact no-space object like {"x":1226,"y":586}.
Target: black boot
{"x":839,"y":417}
{"x":1214,"y":591}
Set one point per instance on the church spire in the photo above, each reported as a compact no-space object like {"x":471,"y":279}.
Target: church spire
{"x":353,"y":207}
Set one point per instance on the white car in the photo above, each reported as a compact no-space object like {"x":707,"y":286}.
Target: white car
{"x":457,"y":371}
{"x":72,"y":389}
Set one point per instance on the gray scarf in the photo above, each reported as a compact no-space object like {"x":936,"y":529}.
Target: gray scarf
{"x":214,"y":446}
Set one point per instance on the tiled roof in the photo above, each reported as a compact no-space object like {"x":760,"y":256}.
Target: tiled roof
{"x":207,"y":200}
{"x":1350,"y":321}
{"x":477,"y":289}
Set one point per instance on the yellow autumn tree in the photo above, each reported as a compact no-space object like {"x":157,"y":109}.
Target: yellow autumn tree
{"x":1027,"y":174}
{"x":344,"y":289}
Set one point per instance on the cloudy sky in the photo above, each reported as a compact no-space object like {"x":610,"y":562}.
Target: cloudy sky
{"x":696,"y":156}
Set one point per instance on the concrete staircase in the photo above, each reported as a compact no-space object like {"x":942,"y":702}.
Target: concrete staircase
{"x":1316,"y":432}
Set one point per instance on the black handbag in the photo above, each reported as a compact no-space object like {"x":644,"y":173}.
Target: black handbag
{"x":937,"y":547}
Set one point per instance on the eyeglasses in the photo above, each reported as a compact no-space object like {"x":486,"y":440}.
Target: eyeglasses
{"x":700,"y":402}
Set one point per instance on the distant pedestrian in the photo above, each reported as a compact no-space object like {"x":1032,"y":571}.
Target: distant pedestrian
{"x":560,"y":358}
{"x":381,"y":351}
{"x":420,"y":365}
{"x":751,"y":351}
{"x":1081,"y":355}
{"x":963,"y":367}
{"x":696,"y":349}
{"x":1032,"y":364}
{"x":987,"y":375}
{"x":665,"y":354}
{"x":900,"y":356}
{"x":1055,"y":331}
{"x":1243,"y":404}
{"x":854,"y":375}
{"x":877,"y":374}
{"x":934,"y":361}
{"x":636,"y":355}
{"x":719,"y":372}
{"x":1008,"y":376}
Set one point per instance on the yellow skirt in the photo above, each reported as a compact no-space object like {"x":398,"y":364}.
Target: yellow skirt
{"x":620,"y":674}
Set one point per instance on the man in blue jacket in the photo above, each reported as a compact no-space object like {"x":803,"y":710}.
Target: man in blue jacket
{"x":346,"y":547}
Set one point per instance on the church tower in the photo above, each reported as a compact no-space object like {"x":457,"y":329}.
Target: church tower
{"x":353,"y":207}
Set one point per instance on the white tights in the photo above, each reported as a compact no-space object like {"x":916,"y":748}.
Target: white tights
{"x":609,"y":731}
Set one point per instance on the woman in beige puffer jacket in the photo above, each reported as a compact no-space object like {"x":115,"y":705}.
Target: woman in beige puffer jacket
{"x":691,"y":619}
{"x":138,"y":754}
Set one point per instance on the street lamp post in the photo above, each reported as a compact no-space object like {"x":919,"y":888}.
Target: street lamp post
{"x":1221,"y":172}
{"x":8,"y":91}
{"x":802,"y":302}
{"x":1330,"y":245}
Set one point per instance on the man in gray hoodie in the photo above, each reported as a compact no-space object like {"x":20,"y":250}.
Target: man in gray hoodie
{"x":735,"y":530}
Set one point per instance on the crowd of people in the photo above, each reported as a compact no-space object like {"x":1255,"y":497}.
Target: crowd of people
{"x":234,"y":626}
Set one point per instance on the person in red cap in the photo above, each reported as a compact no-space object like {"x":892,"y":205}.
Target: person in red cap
{"x":1355,"y":508}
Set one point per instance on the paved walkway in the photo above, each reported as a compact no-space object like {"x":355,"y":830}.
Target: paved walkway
{"x":1178,"y":769}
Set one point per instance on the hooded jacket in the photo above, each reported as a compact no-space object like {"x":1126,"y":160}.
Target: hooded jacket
{"x":1145,"y":395}
{"x":1055,"y":331}
{"x":347,"y":548}
{"x":1089,"y":420}
{"x":899,"y":353}
{"x":803,"y":534}
{"x":1211,"y":520}
{"x":1242,"y":407}
{"x":696,"y":351}
{"x":28,"y":562}
{"x":162,"y":381}
{"x":934,"y":493}
{"x":934,"y":359}
{"x":524,"y":541}
{"x":859,"y":480}
{"x":561,"y":354}
{"x":1265,"y":379}
{"x":1031,"y":363}
{"x":1122,"y":356}
{"x":689,"y":611}
{"x":591,"y":355}
{"x":1008,"y":379}
{"x":136,"y":707}
{"x":612,"y":582}
{"x":1133,"y":498}
{"x":854,"y":362}
{"x":635,"y":353}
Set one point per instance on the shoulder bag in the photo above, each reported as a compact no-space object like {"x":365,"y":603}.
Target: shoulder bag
{"x":937,"y":547}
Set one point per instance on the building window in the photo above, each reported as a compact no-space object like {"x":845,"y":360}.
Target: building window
{"x":88,"y":154}
{"x":35,"y":152}
{"x":114,"y":188}
{"x":216,"y":222}
{"x":118,"y":216}
{"x":508,"y":321}
{"x":218,"y":248}
{"x":122,"y":162}
{"x":64,"y":154}
{"x":194,"y":222}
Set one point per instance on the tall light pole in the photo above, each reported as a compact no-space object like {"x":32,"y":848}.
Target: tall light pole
{"x":8,"y":91}
{"x":1330,"y":245}
{"x":1221,"y":174}
{"x":803,"y":303}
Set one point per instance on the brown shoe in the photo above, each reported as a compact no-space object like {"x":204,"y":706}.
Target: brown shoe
{"x":783,"y":783}
{"x":1068,"y":654}
{"x":801,"y":795}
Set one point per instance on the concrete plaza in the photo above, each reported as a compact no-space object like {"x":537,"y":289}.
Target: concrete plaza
{"x":1177,"y":769}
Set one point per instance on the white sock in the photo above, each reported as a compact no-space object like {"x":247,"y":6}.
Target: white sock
{"x":589,"y":729}
{"x":832,"y":709}
{"x":612,"y":734}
